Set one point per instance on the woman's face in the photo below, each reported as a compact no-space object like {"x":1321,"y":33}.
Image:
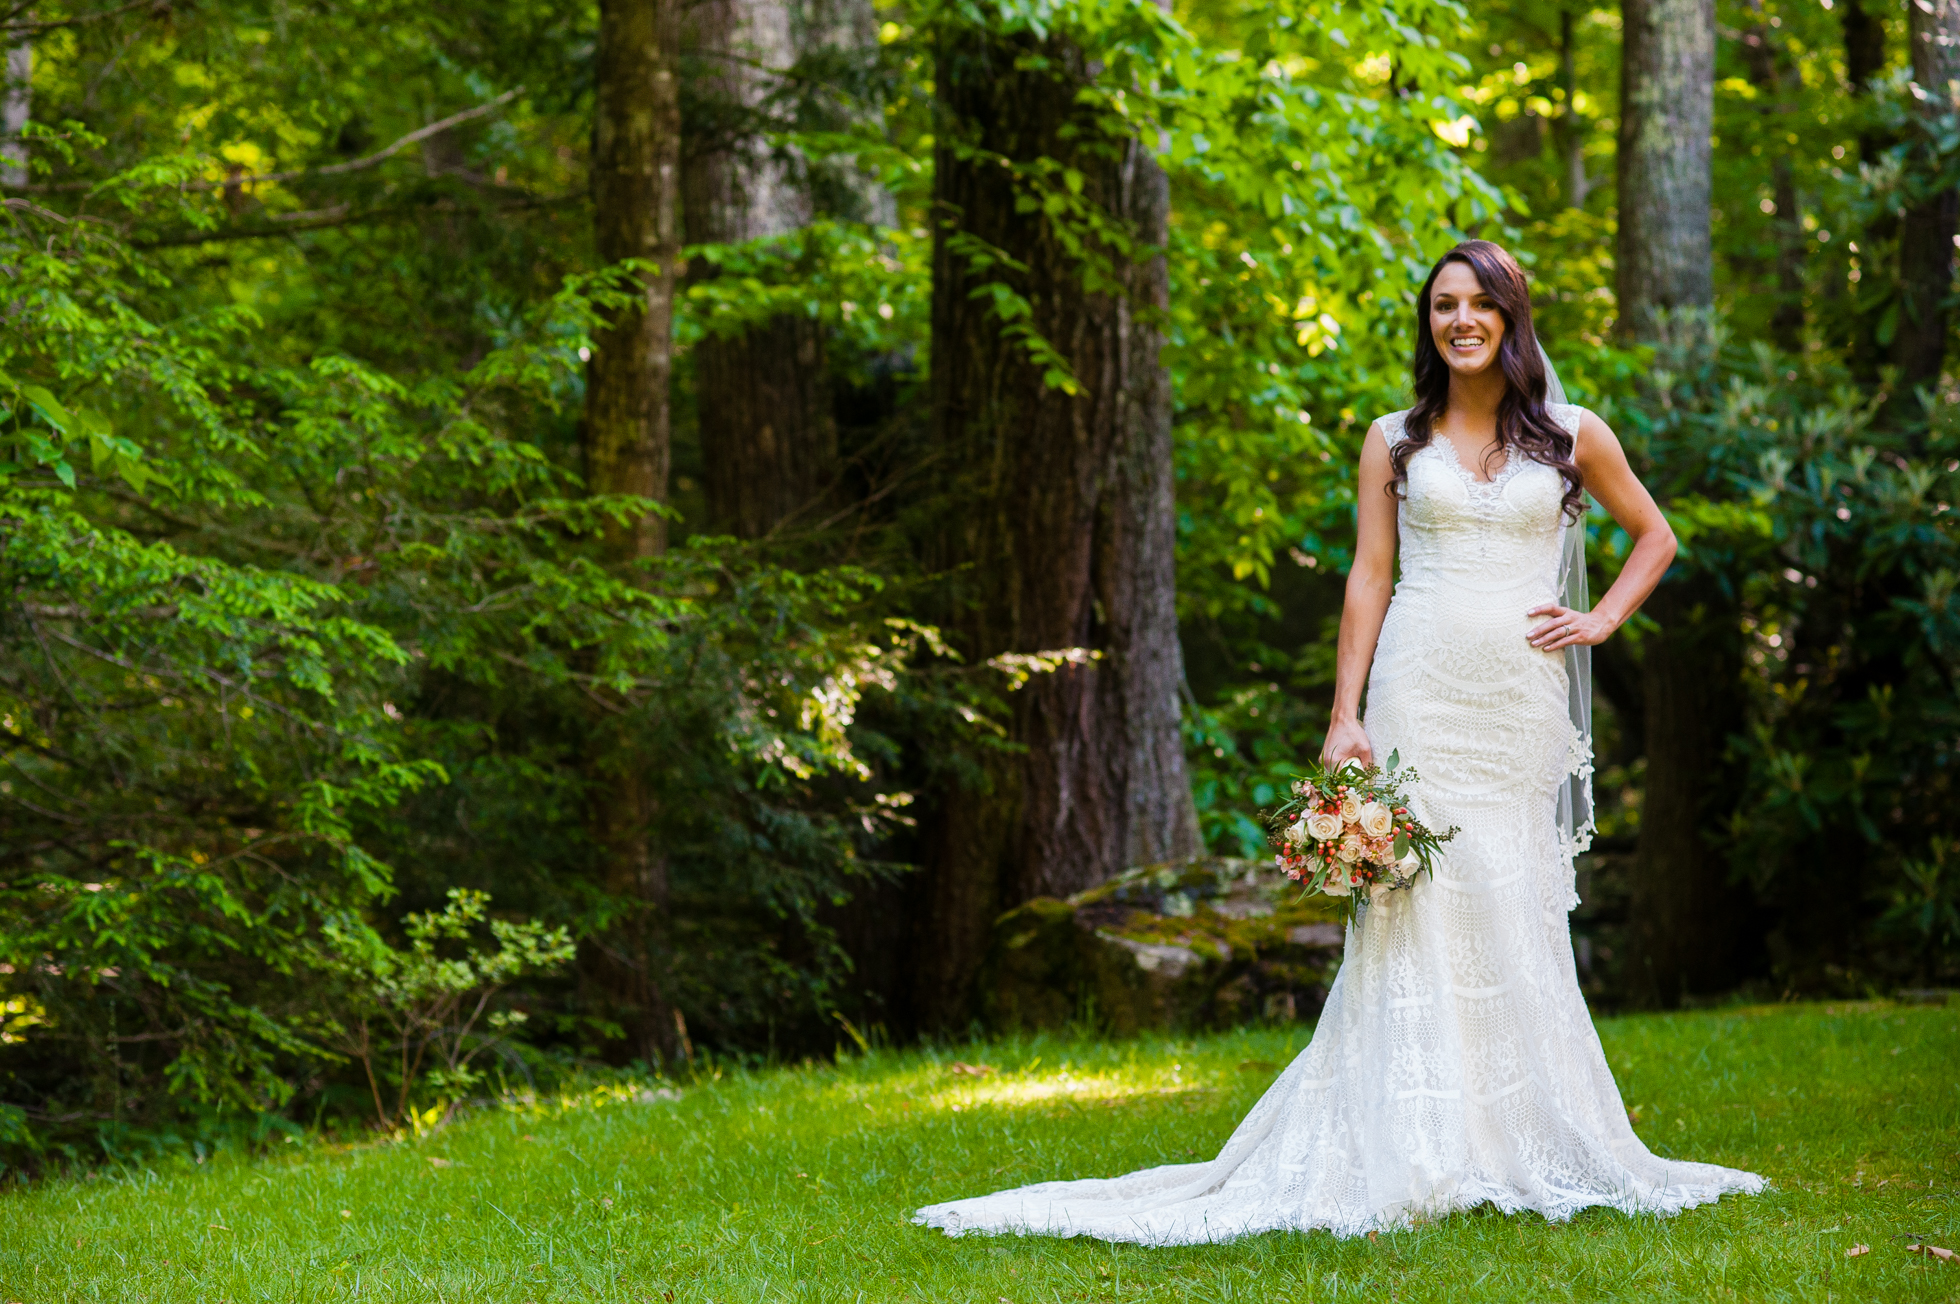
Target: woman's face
{"x":1464,"y":320}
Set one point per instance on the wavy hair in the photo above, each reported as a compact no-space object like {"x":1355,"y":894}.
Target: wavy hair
{"x":1524,"y":426}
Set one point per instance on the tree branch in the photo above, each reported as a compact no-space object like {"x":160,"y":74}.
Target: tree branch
{"x":13,"y":28}
{"x":329,"y":222}
{"x":331,"y":169}
{"x":336,"y":169}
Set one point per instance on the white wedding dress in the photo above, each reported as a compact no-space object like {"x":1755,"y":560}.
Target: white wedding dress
{"x":1455,"y":1062}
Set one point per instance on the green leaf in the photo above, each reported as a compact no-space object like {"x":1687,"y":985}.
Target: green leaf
{"x":1394,"y":759}
{"x":48,"y":406}
{"x":1401,"y":844}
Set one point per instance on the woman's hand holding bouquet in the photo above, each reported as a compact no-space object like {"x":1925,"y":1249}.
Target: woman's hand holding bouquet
{"x":1348,"y":832}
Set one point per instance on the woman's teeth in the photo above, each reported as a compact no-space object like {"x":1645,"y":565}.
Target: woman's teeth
{"x":1467,"y":342}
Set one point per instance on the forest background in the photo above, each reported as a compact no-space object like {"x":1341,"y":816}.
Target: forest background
{"x":539,"y":536}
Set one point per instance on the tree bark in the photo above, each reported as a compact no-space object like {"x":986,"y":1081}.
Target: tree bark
{"x":1063,"y":531}
{"x":1681,"y":907}
{"x":1569,"y":127}
{"x":1864,"y":60}
{"x":1683,"y":911}
{"x":1926,"y":233}
{"x":635,"y":175}
{"x":1864,"y":46}
{"x":768,"y":435}
{"x":16,"y":103}
{"x":635,"y":200}
{"x":1667,"y":113}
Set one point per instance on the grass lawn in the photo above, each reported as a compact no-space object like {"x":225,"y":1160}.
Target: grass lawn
{"x":795,"y":1185}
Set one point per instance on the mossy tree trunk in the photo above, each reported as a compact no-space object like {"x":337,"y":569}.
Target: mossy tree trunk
{"x":1065,"y":529}
{"x":1667,"y":115}
{"x":627,"y":428}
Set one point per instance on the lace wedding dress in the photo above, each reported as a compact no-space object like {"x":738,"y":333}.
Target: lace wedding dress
{"x":1455,"y":1062}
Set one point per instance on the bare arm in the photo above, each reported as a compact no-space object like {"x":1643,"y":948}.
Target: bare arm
{"x":1610,"y":480}
{"x":1370,"y":584}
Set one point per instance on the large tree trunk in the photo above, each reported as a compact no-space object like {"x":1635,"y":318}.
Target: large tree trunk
{"x":1667,"y":113}
{"x":1065,"y":522}
{"x":635,"y":183}
{"x":768,"y":437}
{"x":1927,"y":231}
{"x":1681,"y":907}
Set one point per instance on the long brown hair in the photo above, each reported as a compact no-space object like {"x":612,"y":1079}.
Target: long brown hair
{"x":1524,"y":427}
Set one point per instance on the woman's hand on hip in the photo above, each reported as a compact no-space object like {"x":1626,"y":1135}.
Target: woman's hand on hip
{"x":1346,"y":739}
{"x":1564,"y":628}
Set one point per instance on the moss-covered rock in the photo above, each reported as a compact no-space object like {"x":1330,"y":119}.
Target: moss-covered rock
{"x":1207,"y":943}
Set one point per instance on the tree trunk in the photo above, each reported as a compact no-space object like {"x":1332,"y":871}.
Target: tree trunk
{"x":1064,"y":522}
{"x":1927,"y":230}
{"x":768,"y":436}
{"x":1568,"y":127}
{"x":635,"y":171}
{"x":1667,"y":110}
{"x":15,"y":103}
{"x":635,"y":176}
{"x":1680,"y":909}
{"x":1864,"y":60}
{"x":1864,"y":47}
{"x":1683,"y":911}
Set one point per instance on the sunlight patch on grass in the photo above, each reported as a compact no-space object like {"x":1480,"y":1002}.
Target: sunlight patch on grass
{"x":1020,"y":1090}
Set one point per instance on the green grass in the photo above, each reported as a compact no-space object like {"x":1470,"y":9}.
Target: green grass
{"x":796,"y":1184}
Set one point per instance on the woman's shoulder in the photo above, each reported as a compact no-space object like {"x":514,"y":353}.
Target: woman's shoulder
{"x":1568,"y":415}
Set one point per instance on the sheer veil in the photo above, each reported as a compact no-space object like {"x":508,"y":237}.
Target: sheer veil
{"x":1575,"y":799}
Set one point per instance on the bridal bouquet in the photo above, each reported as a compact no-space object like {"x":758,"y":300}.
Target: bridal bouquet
{"x":1349,"y":832}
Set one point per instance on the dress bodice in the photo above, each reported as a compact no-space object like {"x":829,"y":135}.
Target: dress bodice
{"x":1479,"y":535}
{"x":1455,"y":685}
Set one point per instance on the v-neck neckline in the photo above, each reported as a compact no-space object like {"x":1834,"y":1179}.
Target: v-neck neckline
{"x":1463,"y":468}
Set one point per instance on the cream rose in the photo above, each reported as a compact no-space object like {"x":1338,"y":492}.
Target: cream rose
{"x":1337,"y":881}
{"x":1375,"y":819}
{"x":1322,"y":825}
{"x":1352,"y":848}
{"x":1350,"y":808}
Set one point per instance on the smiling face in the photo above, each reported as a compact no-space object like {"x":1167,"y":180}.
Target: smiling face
{"x":1464,"y":320}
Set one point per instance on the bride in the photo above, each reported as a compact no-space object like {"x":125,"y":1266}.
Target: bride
{"x":1455,"y":1063}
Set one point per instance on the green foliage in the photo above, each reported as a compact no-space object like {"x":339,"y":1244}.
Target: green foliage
{"x":318,"y":622}
{"x":1835,"y":540}
{"x":418,"y":1020}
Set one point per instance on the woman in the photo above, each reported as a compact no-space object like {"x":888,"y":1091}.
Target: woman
{"x":1455,"y":1063}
